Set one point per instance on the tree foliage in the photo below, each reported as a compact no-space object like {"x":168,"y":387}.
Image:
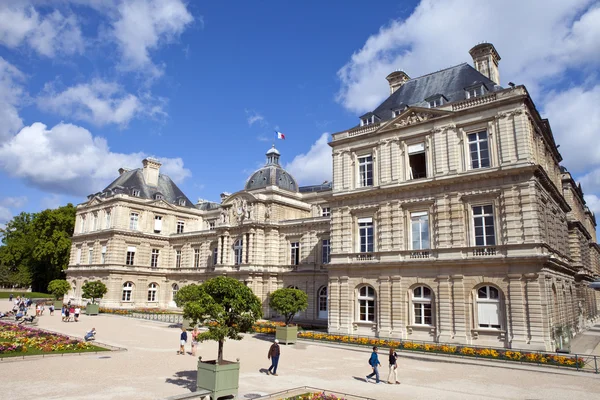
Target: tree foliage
{"x":224,"y":305}
{"x":94,"y":290}
{"x":288,"y":302}
{"x":36,"y":247}
{"x":59,"y":287}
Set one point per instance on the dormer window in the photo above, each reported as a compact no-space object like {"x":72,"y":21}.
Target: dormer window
{"x":396,"y":113}
{"x":181,"y":202}
{"x":135,"y":193}
{"x":368,"y":120}
{"x":436,"y":100}
{"x":475,"y":91}
{"x":159,"y":197}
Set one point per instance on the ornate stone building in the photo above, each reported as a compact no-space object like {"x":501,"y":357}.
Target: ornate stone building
{"x":449,"y":219}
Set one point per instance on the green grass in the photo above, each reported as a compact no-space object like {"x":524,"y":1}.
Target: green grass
{"x":35,"y":352}
{"x":29,"y":295}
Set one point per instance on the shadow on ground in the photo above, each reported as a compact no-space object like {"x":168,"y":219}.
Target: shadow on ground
{"x":186,"y":379}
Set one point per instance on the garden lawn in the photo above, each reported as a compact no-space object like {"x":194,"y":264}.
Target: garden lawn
{"x":18,"y":341}
{"x":29,"y":295}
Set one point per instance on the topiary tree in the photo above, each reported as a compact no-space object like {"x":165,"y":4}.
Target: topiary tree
{"x":288,"y":302}
{"x":94,"y":290}
{"x":59,"y":287}
{"x":225,"y":305}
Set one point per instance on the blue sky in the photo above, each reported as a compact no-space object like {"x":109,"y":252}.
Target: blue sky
{"x":87,"y":87}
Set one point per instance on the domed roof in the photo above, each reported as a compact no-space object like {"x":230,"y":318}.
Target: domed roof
{"x":272,"y":174}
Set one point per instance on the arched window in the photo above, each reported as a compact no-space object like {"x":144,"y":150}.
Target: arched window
{"x":366,"y":304}
{"x":152,"y":289}
{"x":488,"y":307}
{"x":174,"y":290}
{"x":323,"y":302}
{"x":238,"y":250}
{"x":127,"y":290}
{"x":421,"y":300}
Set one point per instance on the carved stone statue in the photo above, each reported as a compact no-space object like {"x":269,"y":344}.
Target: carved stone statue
{"x":268,"y":212}
{"x":224,"y":216}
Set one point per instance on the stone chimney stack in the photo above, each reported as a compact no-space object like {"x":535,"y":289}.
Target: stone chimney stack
{"x":485,"y":60}
{"x":151,"y":171}
{"x":396,"y":79}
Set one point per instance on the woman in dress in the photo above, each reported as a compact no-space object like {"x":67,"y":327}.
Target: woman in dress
{"x":195,"y":333}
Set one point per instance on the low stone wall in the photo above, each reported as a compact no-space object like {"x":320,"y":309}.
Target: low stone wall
{"x":161,"y":317}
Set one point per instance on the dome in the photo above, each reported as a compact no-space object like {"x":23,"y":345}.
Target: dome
{"x":272,"y":174}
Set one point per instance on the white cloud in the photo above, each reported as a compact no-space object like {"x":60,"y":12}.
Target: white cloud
{"x":98,"y":102}
{"x":254,"y":117}
{"x":593,"y":202}
{"x":315,"y":166}
{"x":53,"y":201}
{"x":7,"y":206}
{"x":11,"y":94}
{"x":537,"y":40}
{"x":68,"y":159}
{"x":49,"y":35}
{"x":142,"y":25}
{"x":13,"y":202}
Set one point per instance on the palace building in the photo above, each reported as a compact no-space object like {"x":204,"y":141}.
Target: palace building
{"x":449,"y":219}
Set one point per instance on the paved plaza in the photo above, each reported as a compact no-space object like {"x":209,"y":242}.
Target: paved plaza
{"x":151,"y":369}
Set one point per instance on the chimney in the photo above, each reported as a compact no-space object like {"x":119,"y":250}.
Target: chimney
{"x":123,"y":170}
{"x":151,"y":171}
{"x":485,"y":60}
{"x":396,"y":79}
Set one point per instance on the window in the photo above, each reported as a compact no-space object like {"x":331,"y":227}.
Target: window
{"x":488,"y":307}
{"x":326,"y":212}
{"x":365,"y":232}
{"x":436,"y":102}
{"x":323,"y":302}
{"x":133,"y":221}
{"x":90,"y":255}
{"x":421,"y":299}
{"x":396,"y":113}
{"x":419,"y":224}
{"x":196,"y":258}
{"x":177,"y":258}
{"x":152,"y":289}
{"x":326,"y":253}
{"x":82,"y":226}
{"x":295,"y":254}
{"x":78,"y":258}
{"x":366,"y":304}
{"x":483,"y":223}
{"x":94,"y":221}
{"x":215,"y":256}
{"x":180,"y":226}
{"x":181,"y":202}
{"x":159,"y":197}
{"x":130,"y":255}
{"x":367,"y":120}
{"x":365,"y":170}
{"x":475,"y":91}
{"x":154,"y":258}
{"x":157,"y":224}
{"x":135,"y":193}
{"x":478,"y":147}
{"x":417,"y":161}
{"x":127,"y":289}
{"x":107,"y":221}
{"x":211,"y":225}
{"x":103,"y":255}
{"x":238,"y":250}
{"x":174,"y":290}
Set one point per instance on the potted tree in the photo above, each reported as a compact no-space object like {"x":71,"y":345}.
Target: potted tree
{"x":288,"y":302}
{"x":93,"y":290}
{"x":59,"y":288}
{"x":227,"y":308}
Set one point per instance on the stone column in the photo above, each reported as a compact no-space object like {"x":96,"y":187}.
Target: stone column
{"x":444,"y":311}
{"x":346,"y":309}
{"x":459,"y":313}
{"x":397,"y":319}
{"x":383,"y":316}
{"x":517,"y":328}
{"x":333,"y":294}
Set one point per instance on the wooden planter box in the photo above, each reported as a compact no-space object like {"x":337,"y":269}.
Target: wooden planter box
{"x":92,"y":309}
{"x":286,"y":334}
{"x":220,"y":379}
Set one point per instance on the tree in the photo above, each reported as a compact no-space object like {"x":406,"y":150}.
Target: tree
{"x":94,"y":290}
{"x":225,"y":305}
{"x":59,"y":287}
{"x":288,"y":302}
{"x":16,"y":254}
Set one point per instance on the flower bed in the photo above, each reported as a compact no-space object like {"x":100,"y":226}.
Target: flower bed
{"x":267,"y":327}
{"x":17,"y":340}
{"x":496,"y":354}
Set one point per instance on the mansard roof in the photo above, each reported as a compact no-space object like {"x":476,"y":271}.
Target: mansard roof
{"x":450,"y":82}
{"x":134,"y":180}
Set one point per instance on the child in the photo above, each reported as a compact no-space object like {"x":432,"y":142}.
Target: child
{"x":51,"y":309}
{"x":77,"y":311}
{"x":182,"y":341}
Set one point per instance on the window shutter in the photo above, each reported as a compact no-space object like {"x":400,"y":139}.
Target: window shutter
{"x":487,"y":313}
{"x":416,"y":148}
{"x":157,"y":223}
{"x":103,"y":249}
{"x":131,"y":249}
{"x":78,"y":256}
{"x":364,"y":220}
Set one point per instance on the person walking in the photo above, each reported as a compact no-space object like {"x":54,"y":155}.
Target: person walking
{"x":77,"y":312}
{"x":374,"y":363}
{"x":393,"y":366}
{"x":195,"y":334}
{"x":10,"y":297}
{"x":182,"y":341}
{"x":51,"y":308}
{"x":274,"y":353}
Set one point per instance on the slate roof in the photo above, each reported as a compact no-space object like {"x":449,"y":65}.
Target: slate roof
{"x":450,"y":82}
{"x":316,"y":188}
{"x":134,"y":179}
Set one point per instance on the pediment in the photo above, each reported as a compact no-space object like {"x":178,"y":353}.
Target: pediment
{"x":414,"y":116}
{"x":94,"y":201}
{"x":238,"y":197}
{"x":162,"y":203}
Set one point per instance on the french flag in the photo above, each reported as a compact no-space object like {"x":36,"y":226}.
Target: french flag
{"x":279,"y":135}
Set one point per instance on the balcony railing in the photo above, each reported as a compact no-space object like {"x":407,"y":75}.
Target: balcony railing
{"x":366,"y":257}
{"x":419,"y":254}
{"x":475,"y":101}
{"x":484,"y":251}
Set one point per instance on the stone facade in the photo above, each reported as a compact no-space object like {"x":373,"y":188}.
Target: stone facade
{"x":454,"y":223}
